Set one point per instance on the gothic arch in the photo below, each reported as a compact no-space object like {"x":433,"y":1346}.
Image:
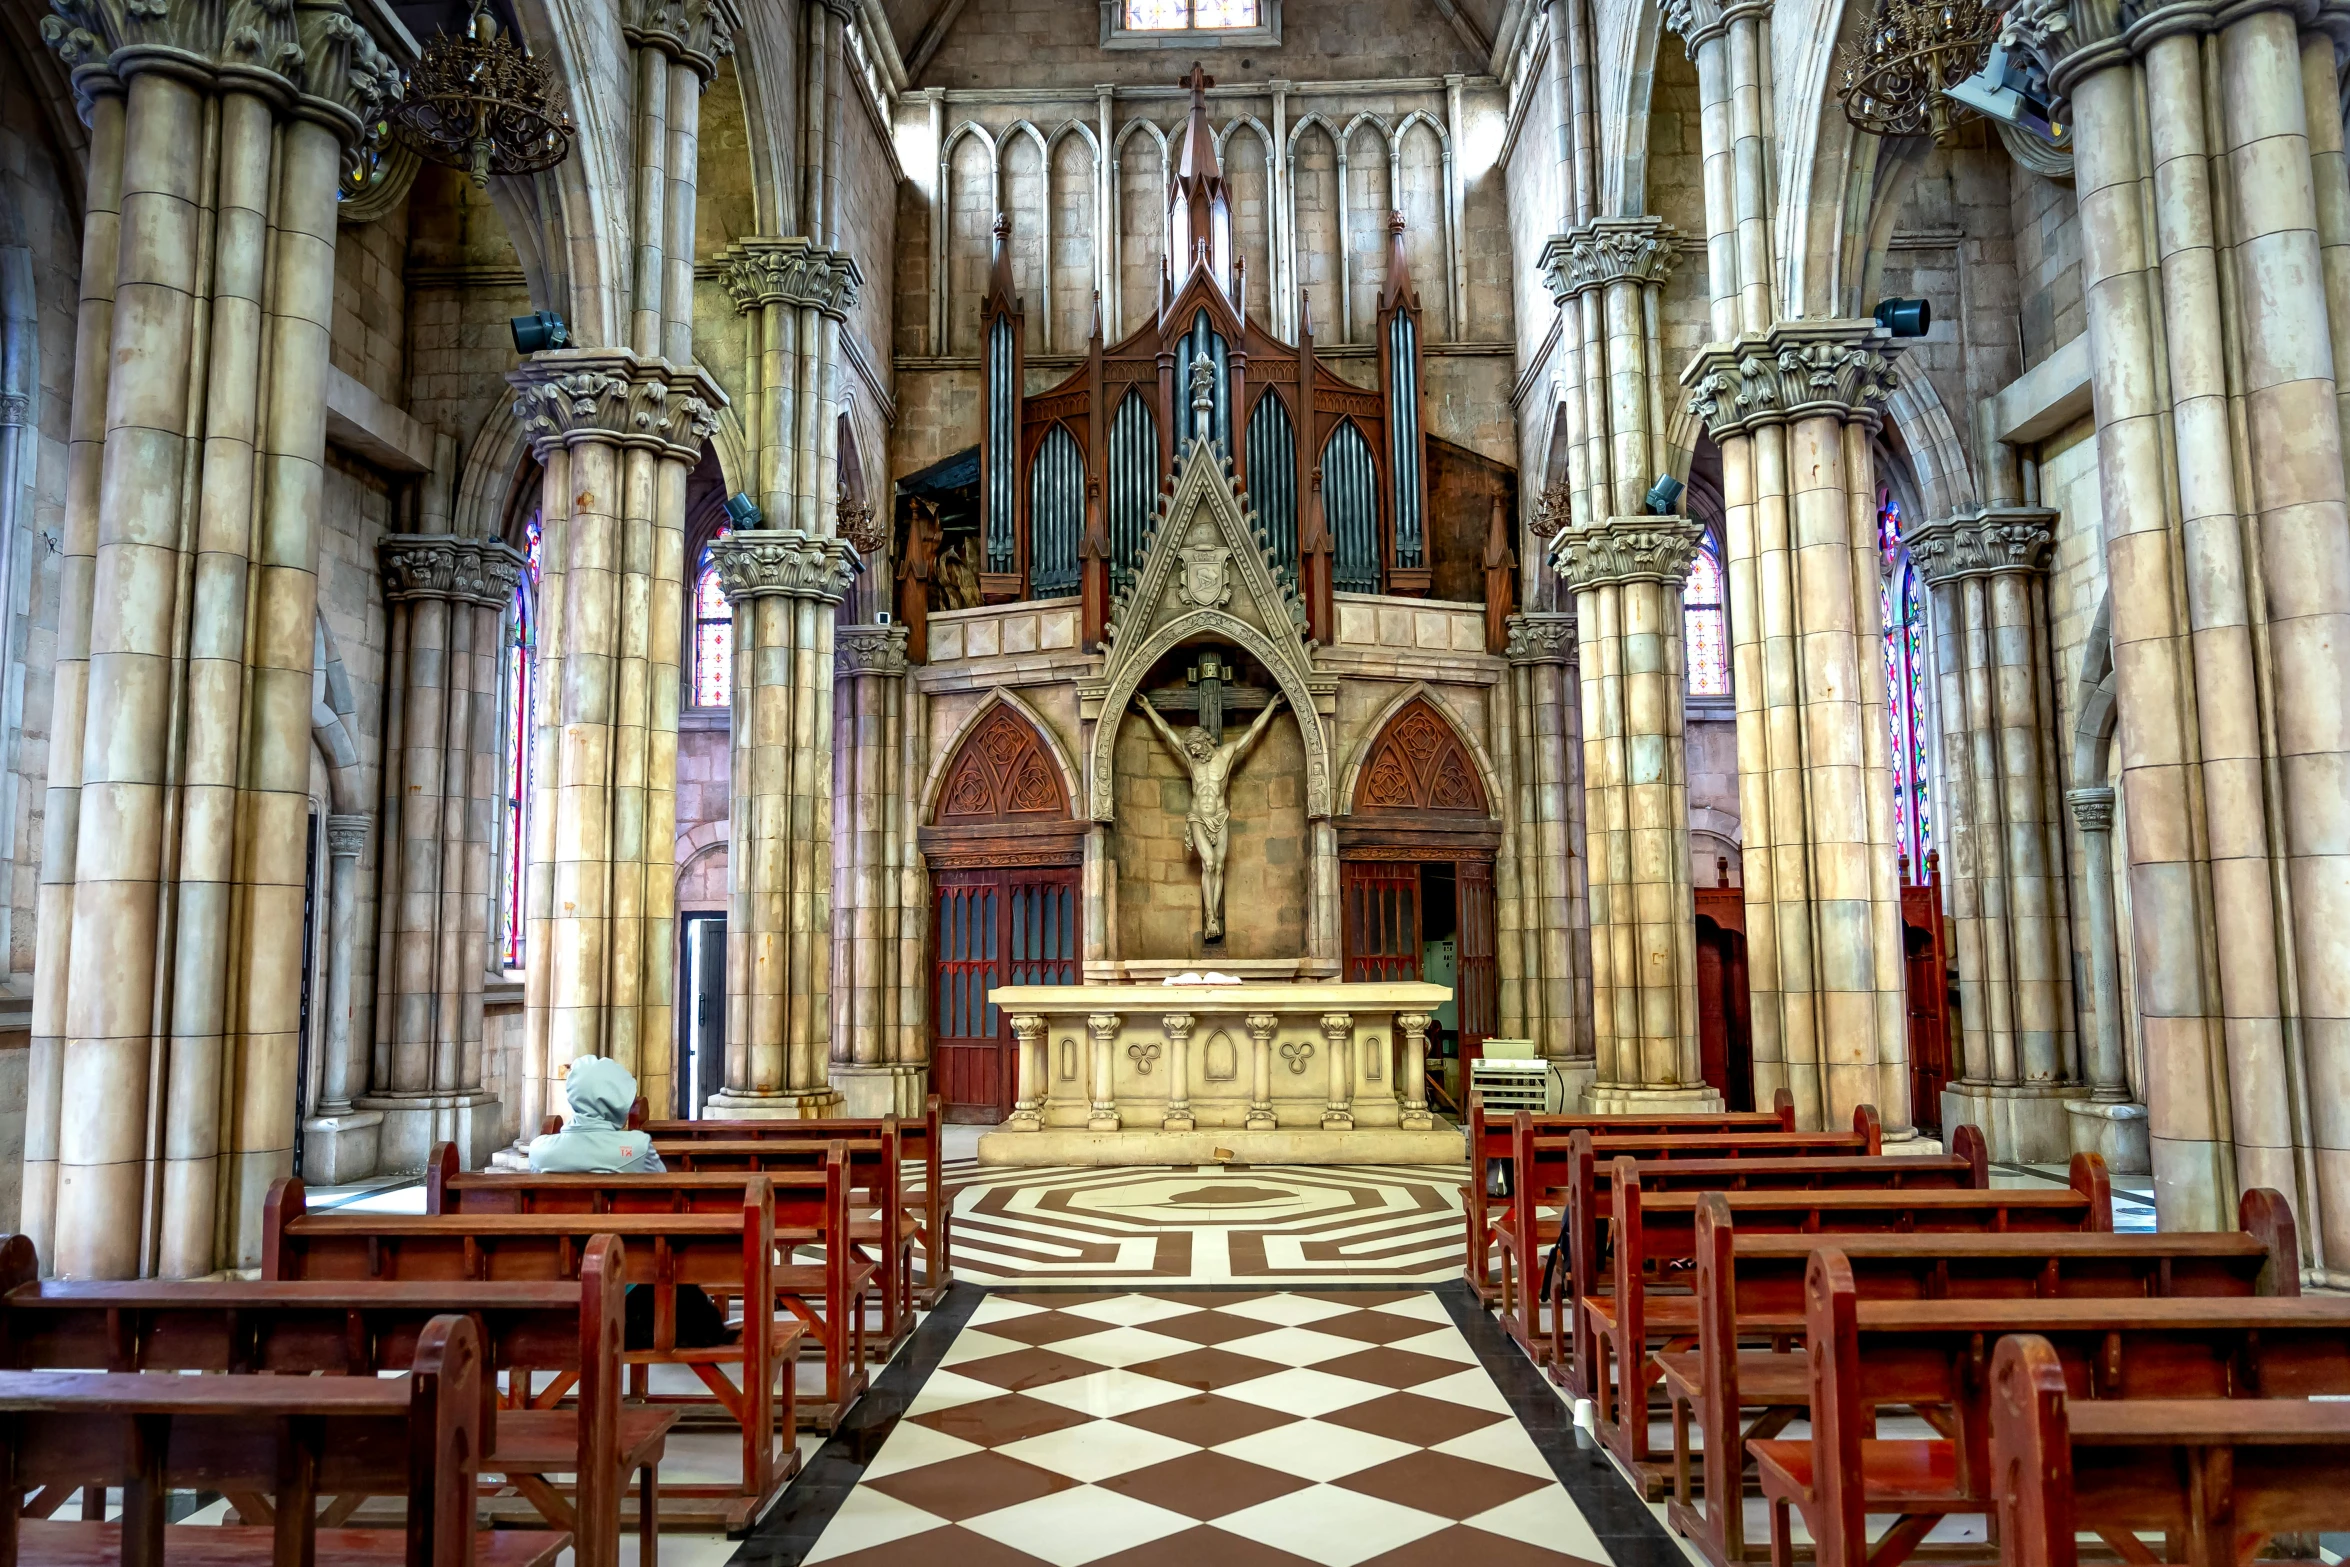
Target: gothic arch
{"x":1001,"y":706}
{"x":1439,"y":777}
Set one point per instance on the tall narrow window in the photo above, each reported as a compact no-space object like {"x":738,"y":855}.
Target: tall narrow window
{"x":1705,"y":643}
{"x":1904,"y":603}
{"x":521,"y":685}
{"x":713,"y":635}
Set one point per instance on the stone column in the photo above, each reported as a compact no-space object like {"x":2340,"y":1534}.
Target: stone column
{"x":446,"y":599}
{"x":1793,"y":410}
{"x":1178,"y":1026}
{"x":1987,"y":573}
{"x":1555,"y":932}
{"x":1103,"y":1108}
{"x":2107,"y":1122}
{"x":1028,"y":1038}
{"x":161,"y":1093}
{"x":341,"y":1143}
{"x":2220,"y":470}
{"x":1415,"y":1116}
{"x":880,"y":1051}
{"x":1627,"y":576}
{"x":1260,"y":1099}
{"x":1338,"y":1030}
{"x":615,"y":435}
{"x":784,"y":586}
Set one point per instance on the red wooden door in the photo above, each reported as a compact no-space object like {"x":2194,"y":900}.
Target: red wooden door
{"x":1927,"y":963}
{"x":1010,"y":926}
{"x":1725,"y":1047}
{"x":1382,"y":904}
{"x":1477,"y":985}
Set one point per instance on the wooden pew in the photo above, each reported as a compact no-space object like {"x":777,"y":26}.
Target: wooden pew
{"x":1751,"y":1288}
{"x":1489,"y":1145}
{"x":728,"y":1253}
{"x":1934,"y":1355}
{"x":1544,"y":1176}
{"x":2220,"y":1476}
{"x":338,"y":1330}
{"x":919,"y":1146}
{"x":886,"y":1240}
{"x":1655,"y":1237}
{"x":294,"y":1438}
{"x":810,"y":1209}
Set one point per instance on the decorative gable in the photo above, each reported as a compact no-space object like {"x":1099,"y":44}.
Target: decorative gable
{"x":1206,"y":576}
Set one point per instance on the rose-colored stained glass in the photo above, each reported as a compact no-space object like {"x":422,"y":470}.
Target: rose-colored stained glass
{"x":1157,"y":16}
{"x":520,"y":678}
{"x":1214,"y":16}
{"x":713,"y":640}
{"x":1705,"y":640}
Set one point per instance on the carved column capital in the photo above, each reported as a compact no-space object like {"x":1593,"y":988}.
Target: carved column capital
{"x":1178,"y":1025}
{"x":1796,"y":370}
{"x":448,"y":566}
{"x":1609,"y":250}
{"x":1541,"y":639}
{"x":869,"y":650}
{"x":346,"y":835}
{"x":1338,"y":1025}
{"x":1629,"y":549}
{"x":15,"y":408}
{"x":779,"y":562}
{"x":1997,"y":539}
{"x":2092,"y":807}
{"x":764,"y":271}
{"x":314,"y":58}
{"x":697,"y":32}
{"x":1102,"y":1025}
{"x":574,"y":395}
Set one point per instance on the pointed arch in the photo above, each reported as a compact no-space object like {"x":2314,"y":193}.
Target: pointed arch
{"x":1419,"y":746}
{"x":1001,"y":708}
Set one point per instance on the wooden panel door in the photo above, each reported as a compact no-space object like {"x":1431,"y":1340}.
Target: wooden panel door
{"x":1010,"y":926}
{"x":1478,"y":985}
{"x":1381,"y":903}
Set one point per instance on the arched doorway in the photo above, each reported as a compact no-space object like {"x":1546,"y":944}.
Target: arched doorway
{"x":1415,"y":858}
{"x":1004,"y":861}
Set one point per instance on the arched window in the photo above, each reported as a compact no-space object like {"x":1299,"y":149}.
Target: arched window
{"x":713,"y":672}
{"x":1904,"y":603}
{"x":521,"y":676}
{"x":1705,"y":639}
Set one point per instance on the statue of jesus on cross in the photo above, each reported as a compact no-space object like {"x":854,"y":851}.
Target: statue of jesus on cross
{"x":1206,"y":825}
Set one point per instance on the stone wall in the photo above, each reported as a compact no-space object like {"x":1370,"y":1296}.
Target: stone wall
{"x":2048,"y":264}
{"x":465,"y":285}
{"x":370,"y":341}
{"x":1266,"y":878}
{"x":1050,"y":43}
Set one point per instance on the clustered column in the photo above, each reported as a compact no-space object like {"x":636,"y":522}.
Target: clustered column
{"x":880,"y":1044}
{"x":1554,"y":936}
{"x":1793,"y":411}
{"x":168,"y":982}
{"x":446,"y":598}
{"x":2214,"y":206}
{"x":1627,"y":576}
{"x":1608,"y":276}
{"x":2110,"y":1121}
{"x":784,"y":587}
{"x":1987,"y":574}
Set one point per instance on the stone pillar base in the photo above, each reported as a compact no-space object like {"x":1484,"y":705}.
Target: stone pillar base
{"x":1640,"y":1099}
{"x":412,"y":1123}
{"x":2116,"y":1132}
{"x":340,"y":1149}
{"x":871,"y":1092}
{"x":2021,"y":1123}
{"x":1575,"y":1076}
{"x":797,"y":1104}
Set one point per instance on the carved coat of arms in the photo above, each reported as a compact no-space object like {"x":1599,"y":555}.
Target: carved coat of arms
{"x":1206,"y":582}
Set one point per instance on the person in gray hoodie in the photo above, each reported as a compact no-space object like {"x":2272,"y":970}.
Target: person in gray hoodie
{"x":597,"y":1142}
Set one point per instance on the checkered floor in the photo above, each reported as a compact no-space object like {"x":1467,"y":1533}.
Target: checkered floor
{"x":1241,"y":1428}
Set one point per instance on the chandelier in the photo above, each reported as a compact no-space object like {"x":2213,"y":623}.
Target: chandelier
{"x":482,"y":103}
{"x":1893,"y":82}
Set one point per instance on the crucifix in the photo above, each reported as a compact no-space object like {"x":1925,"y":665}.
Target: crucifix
{"x":1199,"y":82}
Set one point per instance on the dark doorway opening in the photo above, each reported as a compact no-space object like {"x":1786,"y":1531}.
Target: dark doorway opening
{"x":701,"y":1022}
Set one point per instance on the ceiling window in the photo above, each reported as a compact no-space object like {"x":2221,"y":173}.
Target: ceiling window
{"x":1160,"y":24}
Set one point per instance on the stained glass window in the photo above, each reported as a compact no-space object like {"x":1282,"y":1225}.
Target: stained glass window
{"x":1211,"y":16}
{"x":1158,"y":16}
{"x":521,"y":673}
{"x":1705,"y":641}
{"x":713,"y":636}
{"x":1903,"y":602}
{"x":1206,"y":16}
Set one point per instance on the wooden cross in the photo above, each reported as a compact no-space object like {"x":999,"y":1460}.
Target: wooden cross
{"x":1198,"y":82}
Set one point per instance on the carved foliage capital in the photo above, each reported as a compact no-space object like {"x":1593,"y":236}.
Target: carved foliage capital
{"x":2092,"y":808}
{"x":789,"y":272}
{"x":1629,"y":549}
{"x":869,"y":650}
{"x":1609,"y":250}
{"x":697,"y":32}
{"x":346,"y":835}
{"x":314,"y":52}
{"x":448,"y":566}
{"x":578,"y":395}
{"x":775,"y":562}
{"x":2006,"y":538}
{"x":1796,"y":370}
{"x":1541,"y":639}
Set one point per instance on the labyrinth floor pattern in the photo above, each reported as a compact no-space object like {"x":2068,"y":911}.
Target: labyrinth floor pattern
{"x":1213,"y":1224}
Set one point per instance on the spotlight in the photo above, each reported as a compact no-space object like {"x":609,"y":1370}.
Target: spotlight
{"x":1661,"y":495}
{"x":743,"y":512}
{"x":1905,"y":317}
{"x":541,"y":329}
{"x":2011,"y":88}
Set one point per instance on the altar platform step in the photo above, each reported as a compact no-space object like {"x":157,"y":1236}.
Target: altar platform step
{"x":1074,"y":1145}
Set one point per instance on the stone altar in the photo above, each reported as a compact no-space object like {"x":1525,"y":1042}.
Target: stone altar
{"x":1250,"y":1072}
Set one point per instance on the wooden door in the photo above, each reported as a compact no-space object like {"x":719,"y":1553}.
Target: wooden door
{"x":1381,"y":899}
{"x":999,"y":926}
{"x":702,"y":1064}
{"x":1725,"y":1048}
{"x":1926,"y":961}
{"x":1477,"y":985}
